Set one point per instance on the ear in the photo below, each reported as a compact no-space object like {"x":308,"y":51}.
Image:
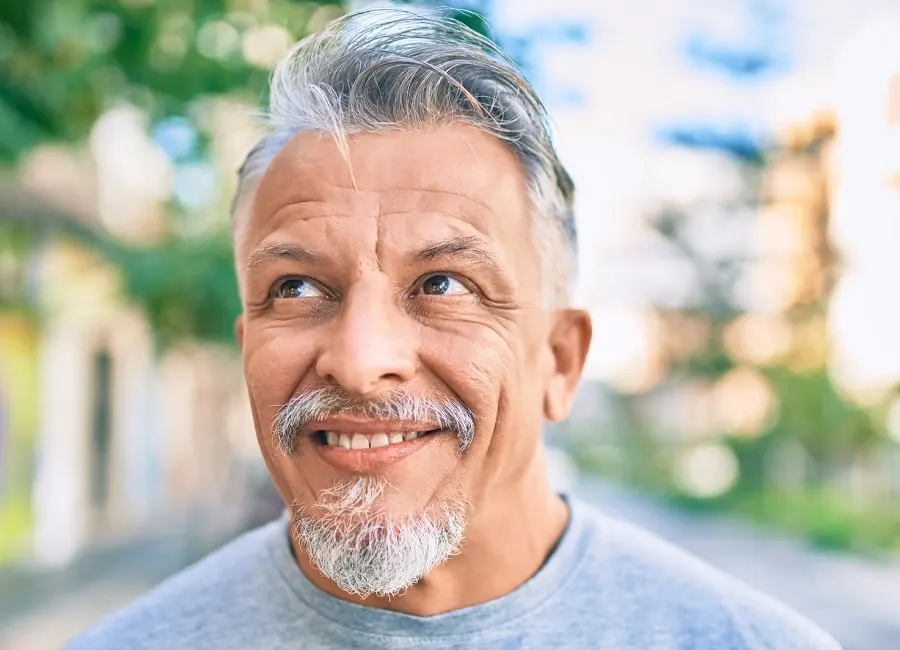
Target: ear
{"x":569,"y":341}
{"x":239,"y":330}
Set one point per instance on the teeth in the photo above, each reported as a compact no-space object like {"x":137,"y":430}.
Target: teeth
{"x":359,"y":441}
{"x":368,"y":441}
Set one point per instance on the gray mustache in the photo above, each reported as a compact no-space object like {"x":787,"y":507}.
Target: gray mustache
{"x":305,"y":410}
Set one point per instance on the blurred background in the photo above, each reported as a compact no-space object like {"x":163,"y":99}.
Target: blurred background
{"x":738,"y":168}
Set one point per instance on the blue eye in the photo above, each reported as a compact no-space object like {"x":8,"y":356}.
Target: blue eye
{"x":297,"y":288}
{"x":441,"y":284}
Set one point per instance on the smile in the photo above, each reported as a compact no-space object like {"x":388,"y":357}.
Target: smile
{"x":368,"y":446}
{"x":356,"y":440}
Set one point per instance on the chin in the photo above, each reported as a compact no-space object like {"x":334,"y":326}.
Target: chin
{"x":364,"y":546}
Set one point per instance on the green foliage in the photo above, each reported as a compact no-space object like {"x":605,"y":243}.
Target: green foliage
{"x":62,"y":62}
{"x":830,"y":427}
{"x":471,"y":19}
{"x":187,"y":288}
{"x":823,"y":516}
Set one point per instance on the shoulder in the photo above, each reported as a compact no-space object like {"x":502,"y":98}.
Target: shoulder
{"x":198,"y":607}
{"x":659,"y":585}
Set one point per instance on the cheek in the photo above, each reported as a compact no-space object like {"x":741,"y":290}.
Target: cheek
{"x":276,"y":360}
{"x":271,"y":457}
{"x":471,"y":361}
{"x":491,"y":369}
{"x":520,"y":397}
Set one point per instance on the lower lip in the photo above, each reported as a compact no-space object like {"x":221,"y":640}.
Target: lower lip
{"x":368,"y":460}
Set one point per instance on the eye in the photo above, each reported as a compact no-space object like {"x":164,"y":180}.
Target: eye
{"x":441,"y":284}
{"x":297,"y":288}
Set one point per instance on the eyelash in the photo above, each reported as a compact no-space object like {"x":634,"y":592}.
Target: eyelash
{"x":466,"y":282}
{"x":280,"y":282}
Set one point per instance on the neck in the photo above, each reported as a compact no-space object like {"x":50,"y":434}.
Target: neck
{"x":508,"y":538}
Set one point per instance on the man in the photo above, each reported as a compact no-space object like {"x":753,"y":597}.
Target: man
{"x":405,"y":245}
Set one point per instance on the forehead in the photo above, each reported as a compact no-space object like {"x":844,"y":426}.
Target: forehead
{"x":453,"y":170}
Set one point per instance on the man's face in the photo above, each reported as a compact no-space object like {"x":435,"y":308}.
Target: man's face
{"x":409,"y":273}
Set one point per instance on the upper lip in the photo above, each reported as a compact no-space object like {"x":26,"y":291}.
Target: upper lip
{"x":367,"y":426}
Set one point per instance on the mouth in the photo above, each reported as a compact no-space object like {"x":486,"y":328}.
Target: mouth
{"x":363,"y":447}
{"x":356,"y":440}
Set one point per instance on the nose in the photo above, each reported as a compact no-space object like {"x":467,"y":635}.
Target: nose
{"x":373,"y":345}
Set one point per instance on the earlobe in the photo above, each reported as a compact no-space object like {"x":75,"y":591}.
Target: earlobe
{"x":569,"y":344}
{"x":556,"y":407}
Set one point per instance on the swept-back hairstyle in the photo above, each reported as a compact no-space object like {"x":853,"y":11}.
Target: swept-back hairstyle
{"x":388,"y":69}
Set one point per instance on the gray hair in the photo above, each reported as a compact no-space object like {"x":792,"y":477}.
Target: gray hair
{"x":305,"y":409}
{"x":387,"y":69}
{"x":363,"y":550}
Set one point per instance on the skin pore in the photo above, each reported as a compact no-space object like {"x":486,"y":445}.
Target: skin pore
{"x":415,"y":272}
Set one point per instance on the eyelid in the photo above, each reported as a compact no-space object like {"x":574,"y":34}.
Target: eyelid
{"x":280,"y":282}
{"x":470,"y":286}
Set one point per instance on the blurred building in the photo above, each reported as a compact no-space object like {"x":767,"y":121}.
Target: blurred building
{"x":865,"y":315}
{"x":771,"y":238}
{"x":103,"y":436}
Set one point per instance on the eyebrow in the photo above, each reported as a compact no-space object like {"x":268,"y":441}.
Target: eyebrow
{"x":466,"y":248}
{"x":270,"y":253}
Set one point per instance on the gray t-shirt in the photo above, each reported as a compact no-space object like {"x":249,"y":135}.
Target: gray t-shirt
{"x":607,"y":585}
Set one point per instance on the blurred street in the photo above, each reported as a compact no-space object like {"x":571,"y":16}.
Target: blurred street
{"x":43,"y":609}
{"x":856,"y":599}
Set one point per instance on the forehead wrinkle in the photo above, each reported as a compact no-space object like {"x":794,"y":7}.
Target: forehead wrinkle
{"x":308,"y":180}
{"x":298,"y":173}
{"x":287,"y":210}
{"x":473,"y":212}
{"x":416,"y":196}
{"x":439,"y":202}
{"x":327,"y":190}
{"x":467,"y":198}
